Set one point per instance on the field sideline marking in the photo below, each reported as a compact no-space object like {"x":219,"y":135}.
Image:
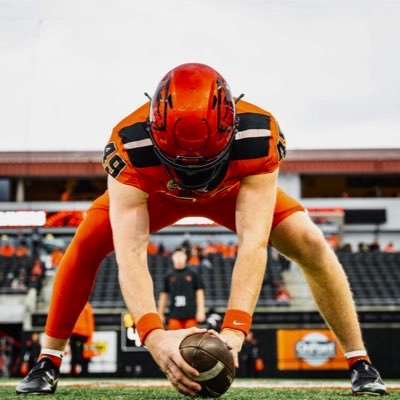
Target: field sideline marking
{"x":238,"y":384}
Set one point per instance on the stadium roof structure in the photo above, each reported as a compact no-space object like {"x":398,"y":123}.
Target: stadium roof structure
{"x":88,"y":163}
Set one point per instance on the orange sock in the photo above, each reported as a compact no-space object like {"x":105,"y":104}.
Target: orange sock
{"x":353,"y":356}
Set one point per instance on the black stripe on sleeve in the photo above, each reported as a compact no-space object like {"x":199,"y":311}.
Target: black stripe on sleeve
{"x":253,"y":121}
{"x":134,"y":132}
{"x":246,"y":149}
{"x":140,"y":157}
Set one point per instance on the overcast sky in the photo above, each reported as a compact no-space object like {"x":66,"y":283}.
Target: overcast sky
{"x":329,"y":70}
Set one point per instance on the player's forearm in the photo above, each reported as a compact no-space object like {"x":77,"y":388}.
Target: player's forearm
{"x":136,"y":286}
{"x":247,"y":278}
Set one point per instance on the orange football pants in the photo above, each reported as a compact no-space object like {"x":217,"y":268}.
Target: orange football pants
{"x":77,"y":271}
{"x":175,"y":324}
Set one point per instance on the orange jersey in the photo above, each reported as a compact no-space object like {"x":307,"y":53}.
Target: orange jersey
{"x":258,"y":148}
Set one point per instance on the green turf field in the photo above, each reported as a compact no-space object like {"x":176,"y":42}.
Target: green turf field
{"x":74,"y":393}
{"x":151,"y":393}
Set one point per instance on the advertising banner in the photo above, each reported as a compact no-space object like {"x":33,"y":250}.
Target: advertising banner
{"x":309,"y":349}
{"x":130,"y":340}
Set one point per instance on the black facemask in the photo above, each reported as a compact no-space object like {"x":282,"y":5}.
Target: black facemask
{"x":202,"y":180}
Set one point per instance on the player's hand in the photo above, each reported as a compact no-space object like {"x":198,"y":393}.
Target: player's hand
{"x":164,"y":348}
{"x":234,"y":340}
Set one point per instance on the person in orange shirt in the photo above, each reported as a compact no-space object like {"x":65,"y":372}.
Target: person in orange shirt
{"x":6,"y":249}
{"x":152,"y":249}
{"x":56,"y":257}
{"x":81,"y":334}
{"x":21,"y":249}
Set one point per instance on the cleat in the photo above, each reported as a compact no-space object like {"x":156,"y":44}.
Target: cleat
{"x":365,"y":380}
{"x":42,"y":379}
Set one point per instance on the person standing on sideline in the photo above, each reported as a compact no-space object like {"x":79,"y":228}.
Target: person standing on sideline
{"x":184,"y":289}
{"x":81,"y":335}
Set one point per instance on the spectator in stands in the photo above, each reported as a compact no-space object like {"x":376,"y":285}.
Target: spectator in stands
{"x":374,"y":246}
{"x":230,"y":250}
{"x":152,"y":249}
{"x":67,"y":194}
{"x":363,"y":247}
{"x":56,"y":257}
{"x":251,"y":364}
{"x":22,"y":249}
{"x":81,"y":337}
{"x":282,"y":295}
{"x":346,"y":248}
{"x":195,"y":256}
{"x":30,"y":352}
{"x":389,"y":248}
{"x":36,"y":275}
{"x":210,"y":248}
{"x":162,"y":251}
{"x":19,"y":282}
{"x":184,"y":289}
{"x":7,"y":249}
{"x":36,"y":238}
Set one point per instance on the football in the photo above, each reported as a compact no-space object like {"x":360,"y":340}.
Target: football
{"x":211,"y":357}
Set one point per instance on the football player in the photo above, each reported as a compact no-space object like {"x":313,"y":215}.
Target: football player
{"x":194,"y":150}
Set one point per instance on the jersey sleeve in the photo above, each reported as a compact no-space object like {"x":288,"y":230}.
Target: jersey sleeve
{"x":116,"y":163}
{"x":276,"y":148}
{"x":198,"y":282}
{"x":166,"y":286}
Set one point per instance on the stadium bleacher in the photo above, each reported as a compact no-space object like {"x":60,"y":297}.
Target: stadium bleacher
{"x":374,"y":276}
{"x":10,"y":269}
{"x":217,"y":279}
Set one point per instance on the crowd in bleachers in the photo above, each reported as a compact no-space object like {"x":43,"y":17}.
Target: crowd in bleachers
{"x":214,"y":261}
{"x":372,"y":247}
{"x":20,"y":269}
{"x":25,"y":260}
{"x":21,"y":263}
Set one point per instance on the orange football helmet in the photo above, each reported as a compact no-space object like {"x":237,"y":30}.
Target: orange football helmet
{"x":192,"y":123}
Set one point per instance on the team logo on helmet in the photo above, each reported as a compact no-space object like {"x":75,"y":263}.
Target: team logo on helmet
{"x":172,"y":185}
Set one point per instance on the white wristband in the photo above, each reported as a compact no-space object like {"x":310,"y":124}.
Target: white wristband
{"x":356,"y":353}
{"x":51,"y":352}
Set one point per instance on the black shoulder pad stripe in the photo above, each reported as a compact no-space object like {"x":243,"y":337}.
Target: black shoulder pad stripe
{"x":253,"y":121}
{"x":143,"y":157}
{"x":140,"y":157}
{"x":134,"y":132}
{"x":246,"y":149}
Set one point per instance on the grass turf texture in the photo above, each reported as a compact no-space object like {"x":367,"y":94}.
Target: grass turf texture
{"x":88,"y":393}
